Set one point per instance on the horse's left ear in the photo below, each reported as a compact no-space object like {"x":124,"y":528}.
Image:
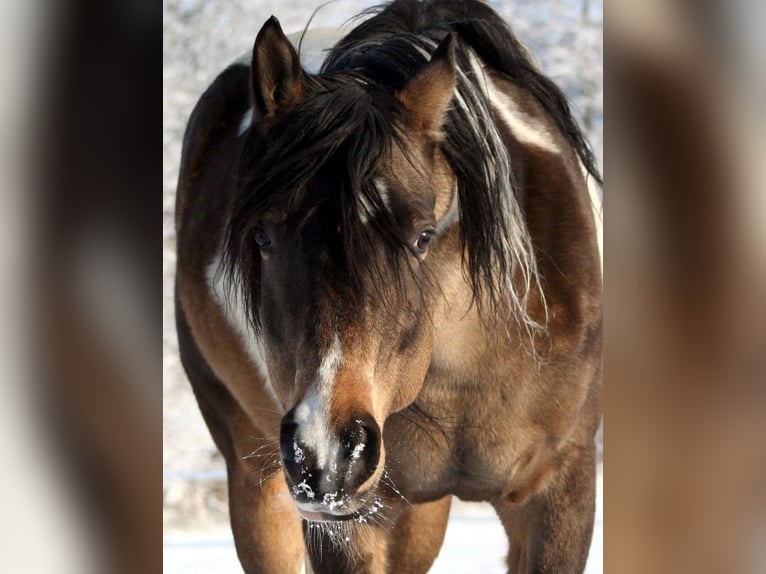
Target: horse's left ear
{"x":428,"y":95}
{"x":276,"y":73}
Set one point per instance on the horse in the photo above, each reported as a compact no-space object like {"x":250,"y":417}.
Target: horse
{"x":388,"y":293}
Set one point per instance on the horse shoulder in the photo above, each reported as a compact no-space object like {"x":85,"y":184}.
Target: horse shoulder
{"x":206,"y":187}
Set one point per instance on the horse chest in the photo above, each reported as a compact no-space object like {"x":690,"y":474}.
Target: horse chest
{"x":476,"y":452}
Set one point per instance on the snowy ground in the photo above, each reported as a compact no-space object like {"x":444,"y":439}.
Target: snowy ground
{"x":475,"y":543}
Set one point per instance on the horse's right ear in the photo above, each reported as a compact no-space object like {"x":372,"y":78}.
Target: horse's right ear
{"x":428,"y":95}
{"x":275,"y":71}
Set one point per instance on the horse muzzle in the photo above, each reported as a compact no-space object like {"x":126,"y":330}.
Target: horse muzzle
{"x":330,"y":473}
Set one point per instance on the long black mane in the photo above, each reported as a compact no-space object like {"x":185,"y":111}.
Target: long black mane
{"x":349,"y":118}
{"x":481,"y":28}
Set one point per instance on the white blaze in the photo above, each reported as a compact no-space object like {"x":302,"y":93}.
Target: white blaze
{"x":313,"y":413}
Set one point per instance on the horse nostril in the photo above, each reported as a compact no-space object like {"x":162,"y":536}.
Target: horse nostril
{"x":361,"y":449}
{"x":329,"y":469}
{"x":293,"y":454}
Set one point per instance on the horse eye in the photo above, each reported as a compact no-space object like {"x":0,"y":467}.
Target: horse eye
{"x":423,"y":241}
{"x":262,"y":238}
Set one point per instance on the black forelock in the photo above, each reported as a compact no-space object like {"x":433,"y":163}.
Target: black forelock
{"x":318,"y":159}
{"x":343,"y":122}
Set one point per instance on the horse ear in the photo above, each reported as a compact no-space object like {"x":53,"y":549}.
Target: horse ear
{"x":275,"y":71}
{"x":428,"y":95}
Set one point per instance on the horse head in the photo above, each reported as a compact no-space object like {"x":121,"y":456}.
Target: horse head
{"x":344,"y":194}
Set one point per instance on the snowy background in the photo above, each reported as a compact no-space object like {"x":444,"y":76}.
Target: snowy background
{"x":200,"y":38}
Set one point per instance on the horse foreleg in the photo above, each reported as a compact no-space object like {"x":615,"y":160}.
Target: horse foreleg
{"x":417,"y":537}
{"x":551,"y":531}
{"x":267,"y":530}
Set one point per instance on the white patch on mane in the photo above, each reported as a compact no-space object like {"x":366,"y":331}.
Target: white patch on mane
{"x":313,"y":413}
{"x":385,"y":195}
{"x":524,"y":127}
{"x":365,"y":209}
{"x":234,"y":313}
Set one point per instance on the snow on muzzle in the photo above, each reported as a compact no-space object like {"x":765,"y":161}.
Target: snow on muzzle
{"x":328,"y":472}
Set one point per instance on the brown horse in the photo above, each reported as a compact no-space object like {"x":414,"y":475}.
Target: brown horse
{"x":389,"y":293}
